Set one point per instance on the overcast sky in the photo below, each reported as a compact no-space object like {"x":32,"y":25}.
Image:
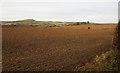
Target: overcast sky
{"x":105,"y":11}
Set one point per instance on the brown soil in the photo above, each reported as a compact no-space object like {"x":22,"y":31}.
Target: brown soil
{"x":48,"y":48}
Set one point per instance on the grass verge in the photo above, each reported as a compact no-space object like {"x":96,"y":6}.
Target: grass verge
{"x":104,"y":62}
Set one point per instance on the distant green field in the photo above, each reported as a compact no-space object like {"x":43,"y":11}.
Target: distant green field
{"x":42,"y":23}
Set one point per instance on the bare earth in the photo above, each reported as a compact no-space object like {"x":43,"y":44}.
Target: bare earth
{"x":53,"y":48}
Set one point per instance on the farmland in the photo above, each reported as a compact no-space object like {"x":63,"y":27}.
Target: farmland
{"x":54,"y":48}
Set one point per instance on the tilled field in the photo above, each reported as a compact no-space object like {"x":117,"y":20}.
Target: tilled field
{"x":53,"y":48}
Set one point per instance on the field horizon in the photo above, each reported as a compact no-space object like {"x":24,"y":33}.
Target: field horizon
{"x":33,"y":22}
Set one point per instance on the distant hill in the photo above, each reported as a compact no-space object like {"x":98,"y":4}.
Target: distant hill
{"x":27,"y":20}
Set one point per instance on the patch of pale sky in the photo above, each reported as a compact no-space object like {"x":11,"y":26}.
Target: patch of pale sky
{"x":61,"y":10}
